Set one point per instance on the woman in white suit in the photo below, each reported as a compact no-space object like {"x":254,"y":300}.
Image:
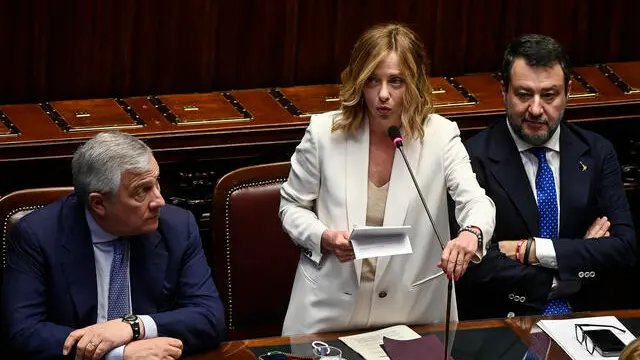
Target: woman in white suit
{"x":346,"y":172}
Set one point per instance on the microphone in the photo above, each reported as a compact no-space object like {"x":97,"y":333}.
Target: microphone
{"x":394,"y":134}
{"x":396,"y":137}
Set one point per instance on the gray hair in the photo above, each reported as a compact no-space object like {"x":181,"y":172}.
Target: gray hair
{"x":98,"y":165}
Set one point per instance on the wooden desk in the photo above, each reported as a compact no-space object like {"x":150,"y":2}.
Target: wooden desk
{"x":197,"y":138}
{"x":243,"y":127}
{"x":519,"y":327}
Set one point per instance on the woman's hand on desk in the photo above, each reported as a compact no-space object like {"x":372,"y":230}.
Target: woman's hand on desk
{"x":457,"y":254}
{"x":337,"y":242}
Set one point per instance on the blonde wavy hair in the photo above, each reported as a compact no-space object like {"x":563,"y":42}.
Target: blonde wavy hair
{"x":370,"y":49}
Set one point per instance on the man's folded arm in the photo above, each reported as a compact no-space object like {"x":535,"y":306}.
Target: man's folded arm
{"x":150,"y":332}
{"x":500,"y":272}
{"x":198,"y":319}
{"x":617,"y":251}
{"x":24,"y":305}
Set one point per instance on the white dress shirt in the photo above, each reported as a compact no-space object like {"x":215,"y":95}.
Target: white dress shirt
{"x":103,"y":254}
{"x":545,"y":252}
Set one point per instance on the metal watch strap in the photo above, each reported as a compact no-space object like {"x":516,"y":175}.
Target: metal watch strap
{"x":134,"y":321}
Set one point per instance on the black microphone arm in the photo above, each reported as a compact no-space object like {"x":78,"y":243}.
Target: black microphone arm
{"x":394,"y":134}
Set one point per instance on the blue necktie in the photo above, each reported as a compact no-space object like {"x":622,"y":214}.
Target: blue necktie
{"x":118,"y":303}
{"x":548,"y":216}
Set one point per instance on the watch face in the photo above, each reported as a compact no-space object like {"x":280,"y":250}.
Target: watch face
{"x":129,"y":317}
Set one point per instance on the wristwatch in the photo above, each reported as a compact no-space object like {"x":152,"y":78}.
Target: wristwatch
{"x":135,"y":324}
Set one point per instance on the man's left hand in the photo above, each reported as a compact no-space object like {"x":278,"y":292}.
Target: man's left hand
{"x":457,"y":254}
{"x":96,"y":340}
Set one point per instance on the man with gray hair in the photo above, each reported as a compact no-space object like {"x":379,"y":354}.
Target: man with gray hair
{"x":110,"y":270}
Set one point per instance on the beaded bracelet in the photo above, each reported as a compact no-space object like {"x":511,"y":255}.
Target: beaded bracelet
{"x":475,"y":231}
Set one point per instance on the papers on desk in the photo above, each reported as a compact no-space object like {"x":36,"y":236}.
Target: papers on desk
{"x":374,"y":241}
{"x":368,"y":344}
{"x":564,"y":334}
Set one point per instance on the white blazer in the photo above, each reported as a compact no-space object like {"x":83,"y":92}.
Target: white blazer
{"x":327,"y":188}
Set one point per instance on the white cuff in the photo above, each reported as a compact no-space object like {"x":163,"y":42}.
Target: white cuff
{"x":546,"y":253}
{"x":477,"y":256}
{"x":315,"y":253}
{"x":150,"y":327}
{"x":115,"y":354}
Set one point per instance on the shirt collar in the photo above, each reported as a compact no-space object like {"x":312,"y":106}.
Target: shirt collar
{"x":553,"y":143}
{"x":98,"y":235}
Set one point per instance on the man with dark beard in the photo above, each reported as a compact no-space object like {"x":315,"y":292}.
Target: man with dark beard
{"x":563,"y":226}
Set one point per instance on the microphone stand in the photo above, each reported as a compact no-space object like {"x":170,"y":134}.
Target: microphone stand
{"x":450,"y":284}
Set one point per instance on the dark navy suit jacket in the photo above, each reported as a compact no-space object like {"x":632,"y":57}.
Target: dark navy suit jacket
{"x":590,"y":186}
{"x":50,"y":286}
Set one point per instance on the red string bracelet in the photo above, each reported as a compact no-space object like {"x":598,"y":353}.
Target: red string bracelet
{"x":518,"y":247}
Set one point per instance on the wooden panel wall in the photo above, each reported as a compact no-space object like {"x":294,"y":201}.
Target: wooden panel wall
{"x":77,"y":49}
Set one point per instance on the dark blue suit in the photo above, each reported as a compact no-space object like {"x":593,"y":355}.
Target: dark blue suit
{"x":590,"y":186}
{"x":50,"y":280}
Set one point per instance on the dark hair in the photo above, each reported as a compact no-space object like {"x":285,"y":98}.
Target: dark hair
{"x":537,"y":51}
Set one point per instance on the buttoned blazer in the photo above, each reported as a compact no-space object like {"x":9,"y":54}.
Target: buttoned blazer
{"x":590,"y":186}
{"x":327,"y":189}
{"x":50,"y":287}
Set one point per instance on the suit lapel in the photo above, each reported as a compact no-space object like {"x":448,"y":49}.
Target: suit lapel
{"x":400,"y":193}
{"x":147,"y":272}
{"x":78,"y":262}
{"x":509,"y":173}
{"x":356,"y":178}
{"x":575,"y":176}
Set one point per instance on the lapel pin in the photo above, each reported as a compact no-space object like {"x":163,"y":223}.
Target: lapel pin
{"x":583,"y":167}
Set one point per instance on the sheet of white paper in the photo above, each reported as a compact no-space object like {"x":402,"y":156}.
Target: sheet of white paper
{"x":368,"y":344}
{"x":373,"y":241}
{"x":563,"y":332}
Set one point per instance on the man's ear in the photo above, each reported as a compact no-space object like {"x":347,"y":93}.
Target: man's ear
{"x":97,"y":203}
{"x":503,"y":89}
{"x":568,"y":88}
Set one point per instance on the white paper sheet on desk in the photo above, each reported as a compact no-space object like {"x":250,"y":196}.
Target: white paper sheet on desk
{"x":368,"y":344}
{"x":373,"y":241}
{"x":563,"y":332}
